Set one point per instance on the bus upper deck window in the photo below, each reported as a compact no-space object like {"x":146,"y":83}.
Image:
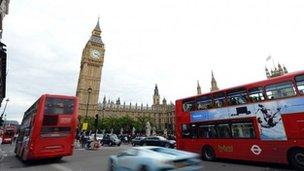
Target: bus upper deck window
{"x":219,"y":99}
{"x":237,"y":96}
{"x":256,"y":94}
{"x":300,"y":83}
{"x":204,"y":102}
{"x":188,"y":105}
{"x":280,"y":90}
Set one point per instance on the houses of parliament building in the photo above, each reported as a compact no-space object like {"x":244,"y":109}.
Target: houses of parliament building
{"x":161,"y":114}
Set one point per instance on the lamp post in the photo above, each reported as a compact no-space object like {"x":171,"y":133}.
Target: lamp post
{"x":88,"y":101}
{"x":7,"y":100}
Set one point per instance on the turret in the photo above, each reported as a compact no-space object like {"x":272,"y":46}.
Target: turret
{"x":214,"y":86}
{"x":199,"y":91}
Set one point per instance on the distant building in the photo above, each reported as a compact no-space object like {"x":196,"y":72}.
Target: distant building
{"x":162,"y":114}
{"x":276,"y":71}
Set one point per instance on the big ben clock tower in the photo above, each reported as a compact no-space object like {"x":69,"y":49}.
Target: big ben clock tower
{"x":90,"y":74}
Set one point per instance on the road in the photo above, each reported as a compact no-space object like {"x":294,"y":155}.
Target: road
{"x":85,"y":160}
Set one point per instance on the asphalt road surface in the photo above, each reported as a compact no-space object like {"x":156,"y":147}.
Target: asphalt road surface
{"x":86,"y":160}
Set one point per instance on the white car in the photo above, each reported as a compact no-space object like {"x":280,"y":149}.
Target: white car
{"x":152,"y":158}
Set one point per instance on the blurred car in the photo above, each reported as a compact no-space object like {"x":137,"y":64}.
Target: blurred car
{"x":153,"y":158}
{"x":98,"y":137}
{"x":110,"y":140}
{"x":158,"y":141}
{"x":137,"y":141}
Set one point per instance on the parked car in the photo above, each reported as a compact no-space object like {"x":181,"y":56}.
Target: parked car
{"x":158,"y":141}
{"x":137,"y":141}
{"x":110,"y":140}
{"x":154,"y":158}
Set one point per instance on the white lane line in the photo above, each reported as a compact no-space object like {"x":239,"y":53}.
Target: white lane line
{"x":60,"y":167}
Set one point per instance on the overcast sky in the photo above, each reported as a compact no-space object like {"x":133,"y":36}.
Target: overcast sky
{"x":172,"y":43}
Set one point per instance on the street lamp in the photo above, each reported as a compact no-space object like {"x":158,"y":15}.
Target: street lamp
{"x":88,"y":101}
{"x":1,"y":117}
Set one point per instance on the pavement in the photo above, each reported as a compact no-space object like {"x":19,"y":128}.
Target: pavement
{"x":88,"y":160}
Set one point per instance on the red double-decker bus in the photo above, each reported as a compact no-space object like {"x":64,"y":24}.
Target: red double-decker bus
{"x":261,"y":121}
{"x":8,"y":134}
{"x":48,"y":128}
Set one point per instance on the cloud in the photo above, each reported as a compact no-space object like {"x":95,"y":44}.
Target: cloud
{"x":172,"y":43}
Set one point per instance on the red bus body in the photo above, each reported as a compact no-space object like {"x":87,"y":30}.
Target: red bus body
{"x":272,"y":125}
{"x":8,"y":134}
{"x":48,"y":128}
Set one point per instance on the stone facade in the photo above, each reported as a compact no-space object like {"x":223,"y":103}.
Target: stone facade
{"x":90,"y":74}
{"x":162,"y":115}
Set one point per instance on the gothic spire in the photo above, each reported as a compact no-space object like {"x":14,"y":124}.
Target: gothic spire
{"x":214,"y":86}
{"x":95,"y":37}
{"x":156,"y":90}
{"x":199,"y":91}
{"x":156,"y":97}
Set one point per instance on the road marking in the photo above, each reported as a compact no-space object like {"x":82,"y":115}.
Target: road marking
{"x":60,"y":167}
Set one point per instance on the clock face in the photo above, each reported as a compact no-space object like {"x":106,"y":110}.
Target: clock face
{"x":95,"y":54}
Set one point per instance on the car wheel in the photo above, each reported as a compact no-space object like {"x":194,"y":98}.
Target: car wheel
{"x":111,"y":165}
{"x":208,"y":153}
{"x":296,"y":158}
{"x":167,"y":145}
{"x":119,"y":144}
{"x":143,"y":168}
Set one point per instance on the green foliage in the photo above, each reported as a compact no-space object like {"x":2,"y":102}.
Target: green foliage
{"x":116,"y":123}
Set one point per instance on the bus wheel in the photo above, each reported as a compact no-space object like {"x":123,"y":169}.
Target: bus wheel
{"x":208,"y":153}
{"x":296,"y":158}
